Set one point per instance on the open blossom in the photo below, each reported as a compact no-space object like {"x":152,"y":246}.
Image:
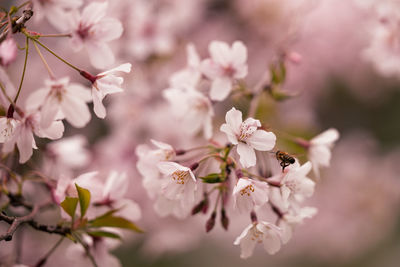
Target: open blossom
{"x":248,"y":194}
{"x":292,"y":218}
{"x":319,"y":150}
{"x":8,"y":51}
{"x":246,"y":136}
{"x":151,"y":30}
{"x":93,"y":30}
{"x":61,"y":96}
{"x":190,"y":76}
{"x":55,"y":11}
{"x":261,"y":232}
{"x":147,"y":164}
{"x":226,"y":65}
{"x":7,"y":128}
{"x":22,"y":135}
{"x":193,"y":109}
{"x":106,"y":83}
{"x":179,"y":182}
{"x":295,"y":185}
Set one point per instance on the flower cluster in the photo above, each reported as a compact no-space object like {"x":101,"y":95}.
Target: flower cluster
{"x":172,"y":177}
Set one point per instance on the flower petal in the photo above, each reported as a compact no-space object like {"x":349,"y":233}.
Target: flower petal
{"x":247,"y":155}
{"x":262,"y":140}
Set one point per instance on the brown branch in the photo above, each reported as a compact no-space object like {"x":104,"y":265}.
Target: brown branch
{"x":16,"y":222}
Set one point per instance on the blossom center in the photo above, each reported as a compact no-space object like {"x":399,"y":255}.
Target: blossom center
{"x":8,"y":130}
{"x":292,"y":185}
{"x":246,"y":130}
{"x":247,"y":190}
{"x":83,"y":31}
{"x":256,"y":235}
{"x":179,"y":176}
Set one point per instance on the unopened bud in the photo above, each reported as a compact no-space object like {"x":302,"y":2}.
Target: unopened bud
{"x":224,"y":219}
{"x":199,"y":207}
{"x":194,"y":166}
{"x":211,"y":222}
{"x":180,"y":152}
{"x":206,"y":205}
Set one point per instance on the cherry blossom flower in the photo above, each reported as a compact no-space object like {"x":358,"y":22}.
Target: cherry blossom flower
{"x":93,"y":30}
{"x":293,"y":218}
{"x":61,"y":96}
{"x":147,"y":164}
{"x":226,"y":65}
{"x":179,"y":183}
{"x":22,"y":136}
{"x":56,"y":11}
{"x":295,"y":185}
{"x":106,"y":83}
{"x":190,"y":76}
{"x":150,"y":30}
{"x":246,"y":136}
{"x":261,"y":232}
{"x":8,"y":51}
{"x":248,"y":194}
{"x":7,"y":128}
{"x":193,"y":109}
{"x":319,"y":150}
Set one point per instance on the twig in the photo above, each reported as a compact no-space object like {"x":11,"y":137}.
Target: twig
{"x":43,"y":260}
{"x":15,"y":222}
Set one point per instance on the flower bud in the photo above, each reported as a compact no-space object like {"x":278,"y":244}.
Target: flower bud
{"x":211,"y":222}
{"x":199,"y":207}
{"x":224,"y":219}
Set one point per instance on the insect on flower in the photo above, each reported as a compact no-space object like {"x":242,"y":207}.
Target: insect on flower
{"x":285,"y":159}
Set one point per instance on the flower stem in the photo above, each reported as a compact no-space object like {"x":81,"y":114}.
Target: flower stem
{"x":43,"y":260}
{"x":33,"y":38}
{"x":24,"y":69}
{"x":51,"y":74}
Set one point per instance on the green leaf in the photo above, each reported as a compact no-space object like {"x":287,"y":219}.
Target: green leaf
{"x":69,"y":205}
{"x":109,"y":220}
{"x":84,"y":199}
{"x":104,"y":234}
{"x":213,"y":178}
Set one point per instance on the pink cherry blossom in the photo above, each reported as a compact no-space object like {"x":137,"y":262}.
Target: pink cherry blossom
{"x":22,"y":136}
{"x":179,"y":182}
{"x":60,"y":96}
{"x":107,"y":83}
{"x":246,"y":136}
{"x":226,"y":65}
{"x":261,"y":232}
{"x":248,"y":194}
{"x":319,"y":150}
{"x":56,"y":11}
{"x":93,"y":30}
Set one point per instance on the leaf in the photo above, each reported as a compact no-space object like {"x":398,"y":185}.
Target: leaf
{"x":69,"y":205}
{"x":212,"y":178}
{"x":104,"y":234}
{"x":109,"y":220}
{"x":84,"y":199}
